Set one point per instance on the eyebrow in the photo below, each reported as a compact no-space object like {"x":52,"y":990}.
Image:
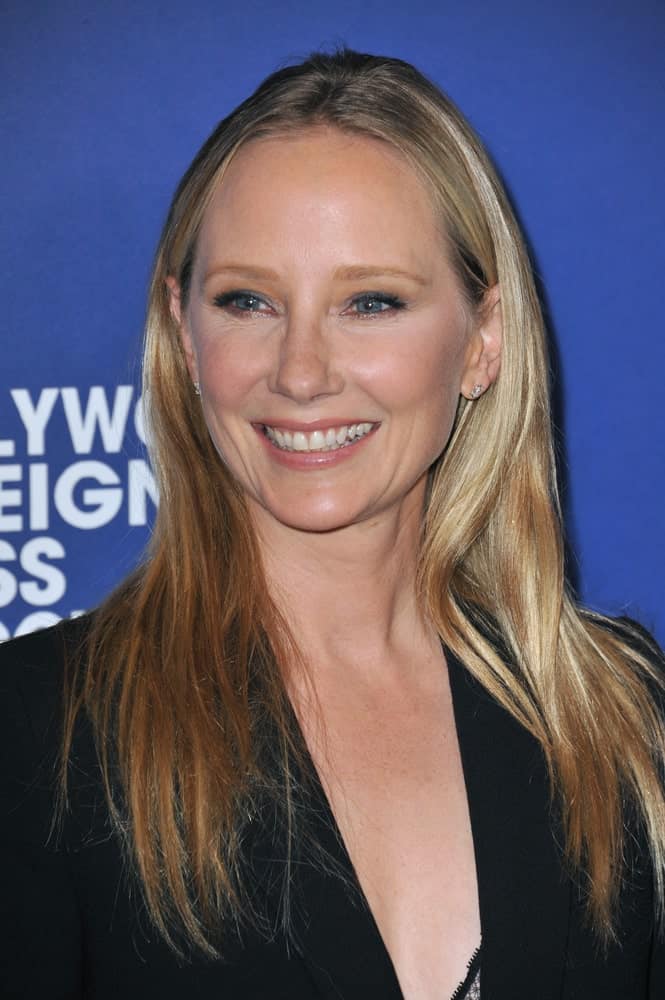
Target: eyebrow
{"x":248,"y":271}
{"x":359,"y":273}
{"x":356,"y":272}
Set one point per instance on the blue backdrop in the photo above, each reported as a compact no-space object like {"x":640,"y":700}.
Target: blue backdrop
{"x":103,"y":106}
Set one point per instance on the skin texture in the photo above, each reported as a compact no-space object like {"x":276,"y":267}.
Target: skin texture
{"x":310,"y":341}
{"x":305,"y":209}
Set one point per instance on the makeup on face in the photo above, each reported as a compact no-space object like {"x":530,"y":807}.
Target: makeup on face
{"x":326,"y":328}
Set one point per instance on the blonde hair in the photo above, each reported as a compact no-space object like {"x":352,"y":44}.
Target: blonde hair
{"x":183,"y":674}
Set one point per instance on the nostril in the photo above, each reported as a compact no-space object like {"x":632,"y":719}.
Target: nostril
{"x":304,"y":374}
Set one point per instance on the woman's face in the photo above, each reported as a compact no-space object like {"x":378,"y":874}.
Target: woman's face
{"x":328,"y":331}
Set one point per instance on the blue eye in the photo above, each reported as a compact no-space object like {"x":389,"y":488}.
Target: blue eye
{"x":239,"y":301}
{"x":375,"y":303}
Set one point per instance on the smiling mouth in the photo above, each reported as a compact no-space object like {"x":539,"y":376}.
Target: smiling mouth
{"x":331,"y":439}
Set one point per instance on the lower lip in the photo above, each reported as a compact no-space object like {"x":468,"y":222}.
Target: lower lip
{"x":313,"y":459}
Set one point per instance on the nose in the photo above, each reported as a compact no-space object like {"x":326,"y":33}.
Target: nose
{"x":306,"y":368}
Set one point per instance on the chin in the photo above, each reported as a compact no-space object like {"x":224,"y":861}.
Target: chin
{"x":316,"y":518}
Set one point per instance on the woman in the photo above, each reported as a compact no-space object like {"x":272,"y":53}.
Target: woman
{"x":345,"y":733}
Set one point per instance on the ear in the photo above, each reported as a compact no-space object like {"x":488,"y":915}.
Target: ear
{"x":180,"y":320}
{"x":483,"y":355}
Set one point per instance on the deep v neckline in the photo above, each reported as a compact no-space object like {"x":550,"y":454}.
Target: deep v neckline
{"x":353,"y":956}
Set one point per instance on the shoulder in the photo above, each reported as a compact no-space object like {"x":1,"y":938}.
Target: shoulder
{"x":39,"y":902}
{"x":638,"y":646}
{"x":42,"y":650}
{"x":633,"y":633}
{"x":32,"y":670}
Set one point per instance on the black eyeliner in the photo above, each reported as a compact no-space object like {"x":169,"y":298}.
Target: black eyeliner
{"x":389,"y":300}
{"x":224,"y":298}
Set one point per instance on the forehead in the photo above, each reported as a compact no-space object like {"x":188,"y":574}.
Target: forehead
{"x":323,"y":184}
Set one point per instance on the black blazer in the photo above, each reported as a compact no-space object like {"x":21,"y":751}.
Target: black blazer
{"x":73,"y":924}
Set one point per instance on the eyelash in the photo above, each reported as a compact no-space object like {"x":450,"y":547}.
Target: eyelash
{"x":226,"y":301}
{"x":392,"y":301}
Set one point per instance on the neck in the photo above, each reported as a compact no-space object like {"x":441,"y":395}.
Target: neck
{"x":348,"y":595}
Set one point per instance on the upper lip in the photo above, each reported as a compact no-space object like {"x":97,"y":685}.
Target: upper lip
{"x":314,"y":425}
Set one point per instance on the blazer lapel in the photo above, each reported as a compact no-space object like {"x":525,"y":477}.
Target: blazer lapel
{"x":336,"y":934}
{"x":523,"y":892}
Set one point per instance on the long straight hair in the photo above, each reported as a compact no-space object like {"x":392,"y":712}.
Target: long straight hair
{"x":184,"y":671}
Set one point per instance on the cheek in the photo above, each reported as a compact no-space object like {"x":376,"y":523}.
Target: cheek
{"x":440,"y":399}
{"x":228,"y":374}
{"x":228,"y":371}
{"x":429,"y":381}
{"x":423,"y":376}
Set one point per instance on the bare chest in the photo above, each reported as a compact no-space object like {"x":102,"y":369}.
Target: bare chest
{"x":391,"y":769}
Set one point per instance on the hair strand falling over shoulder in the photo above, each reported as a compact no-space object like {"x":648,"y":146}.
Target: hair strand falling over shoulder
{"x":183,"y":676}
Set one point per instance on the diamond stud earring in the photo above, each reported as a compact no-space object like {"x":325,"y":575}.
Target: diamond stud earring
{"x":197,"y":388}
{"x":477,"y":391}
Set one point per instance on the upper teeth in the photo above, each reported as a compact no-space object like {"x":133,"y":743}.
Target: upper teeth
{"x":323,"y":440}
